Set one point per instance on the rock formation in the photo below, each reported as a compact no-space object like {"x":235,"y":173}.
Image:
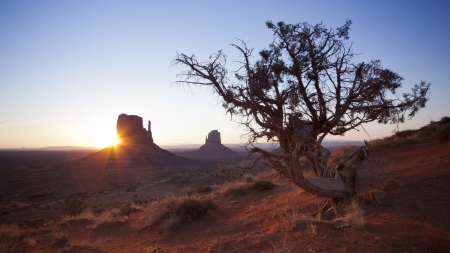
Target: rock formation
{"x":130,"y":130}
{"x":136,"y":147}
{"x":213,"y":146}
{"x":213,"y":137}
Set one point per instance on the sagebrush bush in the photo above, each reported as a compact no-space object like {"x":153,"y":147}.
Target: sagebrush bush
{"x":192,"y":210}
{"x":236,"y":192}
{"x":263,"y":185}
{"x":73,"y":206}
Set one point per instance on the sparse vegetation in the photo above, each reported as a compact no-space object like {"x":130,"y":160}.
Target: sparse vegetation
{"x":236,"y":192}
{"x":354,"y":213}
{"x":263,"y":185}
{"x":192,"y":210}
{"x":73,"y":206}
{"x":16,"y":239}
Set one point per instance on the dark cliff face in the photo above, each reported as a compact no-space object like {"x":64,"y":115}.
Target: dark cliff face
{"x":130,"y":130}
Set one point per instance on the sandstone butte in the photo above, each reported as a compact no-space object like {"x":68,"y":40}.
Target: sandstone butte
{"x":213,"y":146}
{"x":137,"y":145}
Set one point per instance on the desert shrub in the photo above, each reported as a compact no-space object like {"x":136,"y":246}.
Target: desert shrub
{"x":205,"y":189}
{"x":73,"y":206}
{"x":236,"y":192}
{"x":263,"y":185}
{"x":444,"y":120}
{"x":442,"y":133}
{"x":405,"y":133}
{"x":192,"y":210}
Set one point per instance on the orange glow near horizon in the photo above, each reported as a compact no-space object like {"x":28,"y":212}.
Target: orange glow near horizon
{"x":101,"y":139}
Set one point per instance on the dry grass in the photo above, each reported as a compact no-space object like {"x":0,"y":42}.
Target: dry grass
{"x":174,"y":210}
{"x":225,"y":188}
{"x":354,"y":213}
{"x":16,"y":239}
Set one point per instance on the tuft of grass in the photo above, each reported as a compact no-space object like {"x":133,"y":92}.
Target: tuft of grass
{"x":263,"y":185}
{"x":236,"y":192}
{"x":73,"y":206}
{"x":354,"y":213}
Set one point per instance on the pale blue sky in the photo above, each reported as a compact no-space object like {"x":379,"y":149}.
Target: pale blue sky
{"x":69,"y":68}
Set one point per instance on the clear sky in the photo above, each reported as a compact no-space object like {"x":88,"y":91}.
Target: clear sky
{"x":69,"y":68}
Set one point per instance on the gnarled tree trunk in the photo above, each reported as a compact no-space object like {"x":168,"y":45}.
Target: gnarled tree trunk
{"x":337,"y":182}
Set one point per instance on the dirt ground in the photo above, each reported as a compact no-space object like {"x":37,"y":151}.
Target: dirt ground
{"x":408,"y":213}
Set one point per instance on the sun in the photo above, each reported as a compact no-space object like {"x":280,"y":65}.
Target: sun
{"x":103,"y":139}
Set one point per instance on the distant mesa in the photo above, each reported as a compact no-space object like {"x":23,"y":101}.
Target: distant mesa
{"x":213,"y":146}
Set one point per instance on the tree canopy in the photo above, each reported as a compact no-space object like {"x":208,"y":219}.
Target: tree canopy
{"x":304,"y":86}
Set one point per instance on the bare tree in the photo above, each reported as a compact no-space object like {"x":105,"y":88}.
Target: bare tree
{"x":304,"y":87}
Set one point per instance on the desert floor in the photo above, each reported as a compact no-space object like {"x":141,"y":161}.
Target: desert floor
{"x":407,"y":211}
